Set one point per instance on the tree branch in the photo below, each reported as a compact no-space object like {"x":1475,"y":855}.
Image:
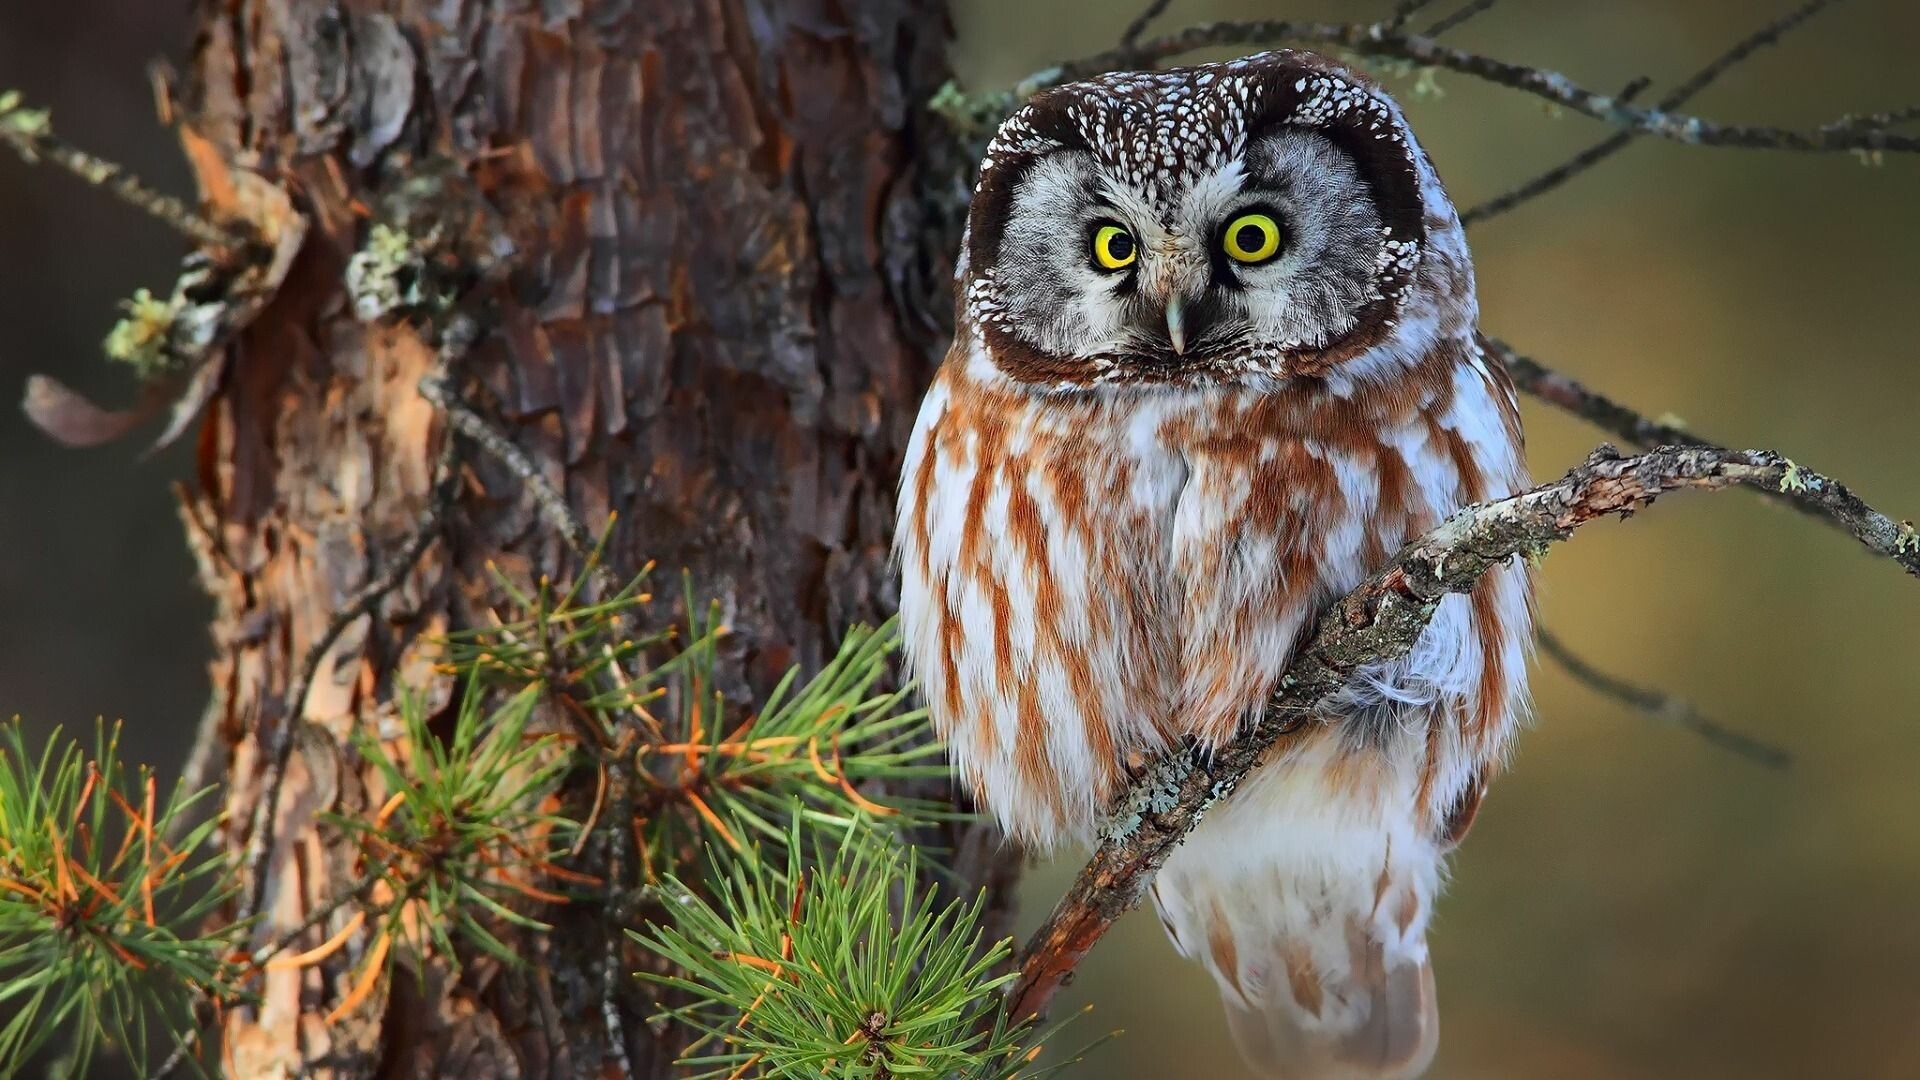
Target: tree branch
{"x":30,"y":135}
{"x":1807,"y":492}
{"x":1378,"y":622}
{"x":1382,"y":40}
{"x":1458,"y":18}
{"x":1770,"y":34}
{"x":1138,"y":26}
{"x":1659,"y":704}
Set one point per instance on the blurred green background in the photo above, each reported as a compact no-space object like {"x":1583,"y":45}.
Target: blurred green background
{"x":1632,"y":903}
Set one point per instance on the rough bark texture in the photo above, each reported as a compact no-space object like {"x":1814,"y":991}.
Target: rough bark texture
{"x":718,"y":318}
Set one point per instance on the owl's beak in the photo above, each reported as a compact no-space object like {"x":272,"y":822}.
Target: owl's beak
{"x":1176,"y":326}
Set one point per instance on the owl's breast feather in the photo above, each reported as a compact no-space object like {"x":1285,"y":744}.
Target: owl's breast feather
{"x":1088,"y":578}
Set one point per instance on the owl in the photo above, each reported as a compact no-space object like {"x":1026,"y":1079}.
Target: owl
{"x":1215,"y":362}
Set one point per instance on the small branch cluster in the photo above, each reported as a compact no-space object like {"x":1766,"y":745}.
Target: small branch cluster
{"x":29,"y":133}
{"x":1769,"y":34}
{"x":479,"y":832}
{"x":100,"y":914}
{"x":841,"y":964}
{"x":1383,"y":40}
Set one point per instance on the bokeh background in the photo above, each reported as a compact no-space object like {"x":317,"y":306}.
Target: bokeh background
{"x":1632,"y":903}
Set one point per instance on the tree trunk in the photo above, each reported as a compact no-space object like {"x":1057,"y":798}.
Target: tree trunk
{"x":725,"y":294}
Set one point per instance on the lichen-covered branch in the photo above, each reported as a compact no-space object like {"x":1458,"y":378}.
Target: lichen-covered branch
{"x":1383,"y":40}
{"x":1808,"y":492}
{"x":29,"y":132}
{"x":1379,"y":621}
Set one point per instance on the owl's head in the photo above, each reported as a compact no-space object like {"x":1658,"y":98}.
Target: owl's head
{"x":1268,"y":217}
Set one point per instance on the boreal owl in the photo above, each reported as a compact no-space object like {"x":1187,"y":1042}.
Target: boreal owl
{"x":1215,"y":362}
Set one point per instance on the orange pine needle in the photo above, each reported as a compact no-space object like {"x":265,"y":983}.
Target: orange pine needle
{"x":751,"y":746}
{"x":593,"y":814}
{"x":565,"y":874}
{"x":23,"y":890}
{"x":146,"y":830}
{"x":744,"y":1066}
{"x":713,"y":819}
{"x":387,"y":808}
{"x":376,"y":963}
{"x":321,"y":951}
{"x":125,"y":957}
{"x":531,"y":891}
{"x":859,"y":800}
{"x":819,"y":767}
{"x":86,"y":794}
{"x":95,"y":883}
{"x":63,"y":881}
{"x":793,"y":912}
{"x":640,"y":845}
{"x":752,"y":961}
{"x":693,"y":732}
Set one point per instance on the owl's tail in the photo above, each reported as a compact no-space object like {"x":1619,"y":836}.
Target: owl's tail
{"x":1316,"y":933}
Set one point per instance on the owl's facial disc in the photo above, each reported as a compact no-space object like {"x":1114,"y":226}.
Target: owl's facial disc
{"x":1274,"y":250}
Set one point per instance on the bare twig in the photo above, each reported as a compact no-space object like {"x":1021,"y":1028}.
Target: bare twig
{"x":185,"y":1042}
{"x":1377,"y":39}
{"x":1379,"y":621}
{"x":1458,"y":18}
{"x":1832,"y":502}
{"x":1891,"y":118}
{"x":31,"y":136}
{"x":1659,"y":704}
{"x":1767,"y":35}
{"x":548,"y":499}
{"x":280,"y":747}
{"x":1404,"y":11}
{"x":1140,"y":22}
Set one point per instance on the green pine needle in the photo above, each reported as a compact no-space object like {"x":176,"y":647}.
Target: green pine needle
{"x":99,"y":913}
{"x":462,"y":836}
{"x":813,"y":750}
{"x":848,"y":967}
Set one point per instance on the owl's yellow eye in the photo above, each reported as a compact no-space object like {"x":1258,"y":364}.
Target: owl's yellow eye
{"x":1252,"y":238}
{"x":1113,"y":247}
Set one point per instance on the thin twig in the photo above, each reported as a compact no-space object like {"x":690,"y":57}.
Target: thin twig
{"x":610,"y":1008}
{"x":280,"y":748}
{"x":1767,"y":35}
{"x":1831,"y":502}
{"x":1458,"y":18}
{"x":1379,"y":621}
{"x":1891,"y":118}
{"x":1377,"y":39}
{"x":1140,"y":22}
{"x":1404,"y":11}
{"x":1660,"y":705}
{"x":546,"y":498}
{"x":28,"y":133}
{"x":185,"y":1042}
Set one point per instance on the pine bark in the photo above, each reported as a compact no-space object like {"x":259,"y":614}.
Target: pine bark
{"x":727,"y":288}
